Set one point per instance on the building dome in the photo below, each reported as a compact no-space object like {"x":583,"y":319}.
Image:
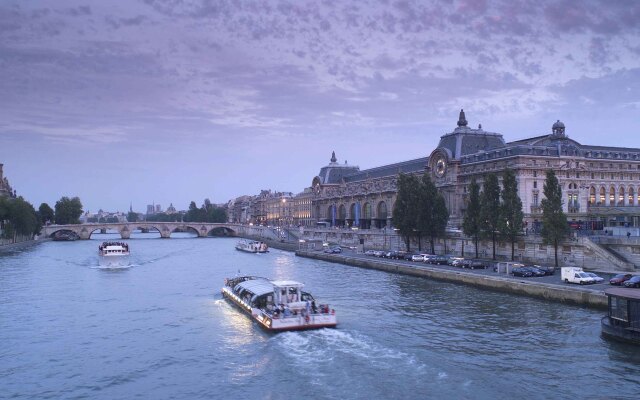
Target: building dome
{"x":558,"y":124}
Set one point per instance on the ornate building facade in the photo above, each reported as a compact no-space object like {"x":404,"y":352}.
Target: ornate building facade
{"x":5,"y":188}
{"x":600,"y":184}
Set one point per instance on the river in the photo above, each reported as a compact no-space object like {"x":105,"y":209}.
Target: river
{"x":159,"y":329}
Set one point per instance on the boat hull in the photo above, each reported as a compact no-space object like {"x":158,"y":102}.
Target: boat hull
{"x":618,"y":332}
{"x":292,"y":323}
{"x":246,"y":250}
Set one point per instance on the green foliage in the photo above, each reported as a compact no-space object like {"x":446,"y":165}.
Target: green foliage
{"x":471,"y":225}
{"x":18,"y":217}
{"x":419,"y":210}
{"x":46,"y":213}
{"x":554,"y":221}
{"x":177,"y":217}
{"x":511,"y":215}
{"x":68,"y":211}
{"x":490,"y":208}
{"x":132,"y":216}
{"x":207,"y":213}
{"x":432,"y":213}
{"x":404,"y":210}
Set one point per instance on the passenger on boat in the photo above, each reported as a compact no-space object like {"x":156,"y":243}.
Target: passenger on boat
{"x":313,"y":307}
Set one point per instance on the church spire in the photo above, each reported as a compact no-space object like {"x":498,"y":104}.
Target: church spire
{"x":462,"y":121}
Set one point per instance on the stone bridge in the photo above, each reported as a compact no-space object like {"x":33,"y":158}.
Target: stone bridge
{"x":203,"y":229}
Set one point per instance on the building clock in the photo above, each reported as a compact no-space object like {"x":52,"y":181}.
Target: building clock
{"x":441,"y":167}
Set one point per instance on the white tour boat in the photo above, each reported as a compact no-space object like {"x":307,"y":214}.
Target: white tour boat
{"x":278,"y":305}
{"x":252,"y":246}
{"x":113,"y":249}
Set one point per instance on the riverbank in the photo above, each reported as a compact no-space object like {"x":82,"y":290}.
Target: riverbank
{"x":21,"y":245}
{"x":588,"y":296}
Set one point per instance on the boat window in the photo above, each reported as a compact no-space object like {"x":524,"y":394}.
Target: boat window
{"x":618,"y":309}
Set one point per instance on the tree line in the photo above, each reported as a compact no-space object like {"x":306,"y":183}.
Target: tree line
{"x":18,"y":217}
{"x":493,"y":213}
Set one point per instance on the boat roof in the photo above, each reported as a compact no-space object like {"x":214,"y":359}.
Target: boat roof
{"x":623,"y":292}
{"x":258,"y":286}
{"x":287,"y":284}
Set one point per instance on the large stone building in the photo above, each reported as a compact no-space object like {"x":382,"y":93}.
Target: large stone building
{"x":5,"y":188}
{"x":599,"y":183}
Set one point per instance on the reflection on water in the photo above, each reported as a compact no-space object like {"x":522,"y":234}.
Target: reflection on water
{"x":72,"y":329}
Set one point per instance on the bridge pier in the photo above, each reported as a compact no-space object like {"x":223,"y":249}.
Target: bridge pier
{"x":125,"y":233}
{"x":84,"y":234}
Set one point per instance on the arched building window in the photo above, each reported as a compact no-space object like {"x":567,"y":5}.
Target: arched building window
{"x":382,"y":210}
{"x":612,"y":196}
{"x":592,"y":195}
{"x":602,"y":196}
{"x":621,"y":196}
{"x":631,"y":193}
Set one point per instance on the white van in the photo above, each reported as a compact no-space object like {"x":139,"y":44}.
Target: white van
{"x":575,"y":275}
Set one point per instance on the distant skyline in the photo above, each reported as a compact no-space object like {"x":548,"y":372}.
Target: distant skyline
{"x":151,"y":101}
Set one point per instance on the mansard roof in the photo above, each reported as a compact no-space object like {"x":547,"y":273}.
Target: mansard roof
{"x":335,"y":172}
{"x":411,"y":166}
{"x":464,"y":140}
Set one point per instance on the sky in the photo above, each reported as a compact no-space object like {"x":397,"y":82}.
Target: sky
{"x":136,"y":102}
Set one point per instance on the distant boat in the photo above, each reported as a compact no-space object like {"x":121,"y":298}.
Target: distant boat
{"x":113,"y":249}
{"x":278,"y":305}
{"x":252,"y":246}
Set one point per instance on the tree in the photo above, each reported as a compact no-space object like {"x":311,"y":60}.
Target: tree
{"x":554,"y":221}
{"x":511,"y":215}
{"x":46,"y":213}
{"x":471,"y":225}
{"x":68,"y":211}
{"x":432,"y":213}
{"x":404,"y":209}
{"x":19,"y":218}
{"x":490,"y":208}
{"x":132,"y":216}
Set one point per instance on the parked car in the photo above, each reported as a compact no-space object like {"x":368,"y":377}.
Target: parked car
{"x":417,"y":257}
{"x":473,"y":264}
{"x":429,"y":258}
{"x":522,"y":271}
{"x":378,"y":253}
{"x":455,"y":261}
{"x":334,"y":250}
{"x":370,"y":253}
{"x":619,"y":279}
{"x":633,"y":282}
{"x":534,"y":270}
{"x":440,"y":260}
{"x":596,"y":278}
{"x":408,"y":256}
{"x":396,"y":255}
{"x":545,"y":269}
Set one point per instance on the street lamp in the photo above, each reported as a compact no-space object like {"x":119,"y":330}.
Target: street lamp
{"x":282,"y":219}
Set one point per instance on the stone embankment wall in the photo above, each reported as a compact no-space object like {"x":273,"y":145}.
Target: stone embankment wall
{"x":8,"y":245}
{"x":569,"y":294}
{"x":577,"y":251}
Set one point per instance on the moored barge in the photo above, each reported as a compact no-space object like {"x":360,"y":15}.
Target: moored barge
{"x":278,"y":305}
{"x":252,"y":246}
{"x":622,"y":321}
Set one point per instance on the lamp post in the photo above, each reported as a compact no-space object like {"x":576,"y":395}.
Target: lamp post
{"x":282,"y":219}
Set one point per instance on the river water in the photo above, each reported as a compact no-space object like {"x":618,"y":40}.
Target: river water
{"x":159,"y":329}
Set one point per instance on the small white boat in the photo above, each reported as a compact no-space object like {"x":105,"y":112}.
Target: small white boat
{"x":113,"y":249}
{"x":252,"y":246}
{"x":278,"y":305}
